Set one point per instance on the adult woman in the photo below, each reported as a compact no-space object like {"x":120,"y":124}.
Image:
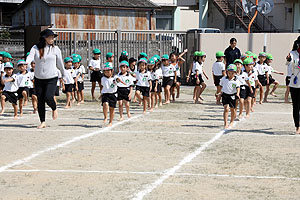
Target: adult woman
{"x":47,"y":57}
{"x":232,"y":52}
{"x":294,"y":59}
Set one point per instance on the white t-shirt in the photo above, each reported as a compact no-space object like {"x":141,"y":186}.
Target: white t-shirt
{"x":109,"y":85}
{"x":295,"y":69}
{"x":73,"y":72}
{"x":289,"y":70}
{"x":159,"y":74}
{"x":59,"y":77}
{"x":197,"y":67}
{"x":177,"y":67}
{"x":11,"y":86}
{"x":229,"y":86}
{"x":168,"y":71}
{"x":262,"y":68}
{"x":68,"y":78}
{"x":242,"y":78}
{"x":79,"y":72}
{"x":154,"y":75}
{"x":143,"y":79}
{"x":96,"y":64}
{"x":270,"y":69}
{"x":252,"y":78}
{"x":127,"y":78}
{"x":82,"y":68}
{"x":218,"y":68}
{"x":25,"y":80}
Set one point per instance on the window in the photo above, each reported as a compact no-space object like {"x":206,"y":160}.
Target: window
{"x":164,"y":20}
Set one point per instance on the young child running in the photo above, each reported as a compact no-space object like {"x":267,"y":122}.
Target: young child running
{"x":218,"y":71}
{"x":24,"y":83}
{"x":32,"y":92}
{"x":230,"y":91}
{"x":248,"y":77}
{"x":263,"y":76}
{"x":271,"y":79}
{"x":132,"y":71}
{"x":158,"y":98}
{"x":144,"y":84}
{"x":239,"y":65}
{"x":169,"y":77}
{"x":154,"y":80}
{"x":10,"y":82}
{"x":192,"y":73}
{"x":96,"y":74}
{"x":68,"y":81}
{"x":124,"y":90}
{"x":6,"y":58}
{"x":109,"y":93}
{"x":78,"y":80}
{"x":83,"y":72}
{"x":59,"y":84}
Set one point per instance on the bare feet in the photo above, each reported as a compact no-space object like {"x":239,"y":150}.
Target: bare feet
{"x":247,"y":116}
{"x":109,"y":125}
{"x":297,"y":131}
{"x":151,"y":110}
{"x":42,"y":125}
{"x":260,"y":102}
{"x":198,"y":102}
{"x":144,"y":112}
{"x":54,"y":114}
{"x":231,"y":124}
{"x":34,"y":111}
{"x":201,"y":98}
{"x":104,"y":121}
{"x":251,"y":110}
{"x":78,"y":104}
{"x":140,"y":104}
{"x":129,"y":115}
{"x":73,"y":101}
{"x":240,"y":116}
{"x":273,"y":94}
{"x":21,"y":114}
{"x":66,"y":107}
{"x":2,"y":112}
{"x":25,"y":103}
{"x":160,"y":104}
{"x":167,"y":102}
{"x":121,"y":119}
{"x":177,"y":96}
{"x":226,"y":126}
{"x":265,"y":101}
{"x":82,"y":102}
{"x":15,"y":117}
{"x":156,"y":106}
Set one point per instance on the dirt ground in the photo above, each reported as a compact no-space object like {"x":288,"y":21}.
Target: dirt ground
{"x":180,"y":151}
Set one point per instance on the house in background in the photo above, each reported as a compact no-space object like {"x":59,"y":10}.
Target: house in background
{"x":87,"y":14}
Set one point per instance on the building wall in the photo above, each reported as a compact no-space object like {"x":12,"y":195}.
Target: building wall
{"x":215,"y":18}
{"x":36,"y":13}
{"x":189,"y":19}
{"x":297,"y":17}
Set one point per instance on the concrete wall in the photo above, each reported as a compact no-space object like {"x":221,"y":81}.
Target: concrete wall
{"x":297,"y":17}
{"x":188,"y":19}
{"x":278,"y":44}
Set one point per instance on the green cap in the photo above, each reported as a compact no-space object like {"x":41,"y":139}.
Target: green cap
{"x":220,"y":54}
{"x":165,"y":57}
{"x":124,"y":62}
{"x":269,"y":56}
{"x":68,"y":59}
{"x":96,"y":51}
{"x":76,"y":56}
{"x":1,"y":53}
{"x":8,"y":65}
{"x":248,"y":61}
{"x":157,"y":56}
{"x":238,"y":60}
{"x":254,"y":56}
{"x":202,"y":53}
{"x":124,"y":53}
{"x":7,"y":55}
{"x":107,"y":66}
{"x":144,"y":60}
{"x":262,"y":54}
{"x":109,"y":55}
{"x":232,"y":67}
{"x":21,"y":62}
{"x":75,"y":60}
{"x":248,"y":52}
{"x":143,"y":54}
{"x":197,"y":53}
{"x":27,"y":54}
{"x":151,"y":61}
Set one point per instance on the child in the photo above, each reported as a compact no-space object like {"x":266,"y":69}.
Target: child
{"x":230,"y":92}
{"x":109,"y":92}
{"x":192,"y":73}
{"x":143,"y":55}
{"x":95,"y":68}
{"x":6,"y":58}
{"x":10,"y":82}
{"x":32,"y":92}
{"x":124,"y":90}
{"x":249,"y":80}
{"x":263,"y":76}
{"x":154,"y":80}
{"x":68,"y":81}
{"x":24,"y":83}
{"x":218,"y":71}
{"x":132,"y":71}
{"x":169,"y":77}
{"x":123,"y":56}
{"x":60,"y":83}
{"x":158,"y":99}
{"x":271,"y":79}
{"x":83,"y":72}
{"x":177,"y":62}
{"x":239,"y":65}
{"x":78,"y":80}
{"x":144,"y":84}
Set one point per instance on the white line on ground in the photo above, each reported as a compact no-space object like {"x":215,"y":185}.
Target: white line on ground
{"x":75,"y":139}
{"x":162,"y":132}
{"x":170,"y":172}
{"x":148,"y":173}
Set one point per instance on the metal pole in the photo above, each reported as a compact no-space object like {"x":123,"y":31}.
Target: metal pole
{"x":265,"y":42}
{"x":200,"y":13}
{"x":255,"y":15}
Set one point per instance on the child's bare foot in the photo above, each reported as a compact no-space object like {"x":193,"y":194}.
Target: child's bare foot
{"x":78,"y":104}
{"x":226,"y":126}
{"x":144,"y":112}
{"x":251,"y":110}
{"x":151,"y":109}
{"x":198,"y":102}
{"x":201,"y":98}
{"x":66,"y":107}
{"x":247,"y":116}
{"x":109,"y":125}
{"x":121,"y":119}
{"x":273,"y":94}
{"x":104,"y":121}
{"x":265,"y":101}
{"x":54,"y":114}
{"x":73,"y":101}
{"x":240,"y":116}
{"x":16,"y":117}
{"x":82,"y":102}
{"x":140,"y":104}
{"x":260,"y":102}
{"x":177,"y":96}
{"x":42,"y":125}
{"x":2,"y":112}
{"x":160,"y":104}
{"x":25,"y":103}
{"x":156,"y":106}
{"x":231,"y":125}
{"x":129,"y":115}
{"x":21,"y":114}
{"x":287,"y":102}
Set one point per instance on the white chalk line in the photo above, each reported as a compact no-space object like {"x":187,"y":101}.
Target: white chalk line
{"x":75,"y":139}
{"x":170,"y":172}
{"x":147,"y":173}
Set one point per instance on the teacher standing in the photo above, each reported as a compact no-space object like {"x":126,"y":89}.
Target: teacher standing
{"x":232,"y":52}
{"x":294,"y":60}
{"x":47,"y":58}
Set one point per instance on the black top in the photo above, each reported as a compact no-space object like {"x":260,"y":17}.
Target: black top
{"x":231,"y":55}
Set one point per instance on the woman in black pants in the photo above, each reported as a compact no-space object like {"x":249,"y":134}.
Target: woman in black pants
{"x":294,"y":59}
{"x":47,"y":57}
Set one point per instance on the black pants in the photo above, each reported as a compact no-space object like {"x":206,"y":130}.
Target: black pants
{"x":295,"y":94}
{"x":45,"y":90}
